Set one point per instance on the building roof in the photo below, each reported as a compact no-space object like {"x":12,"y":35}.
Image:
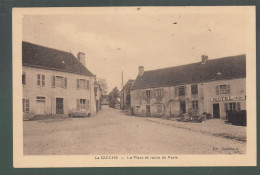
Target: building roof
{"x":43,"y":57}
{"x":215,"y":69}
{"x":128,"y":83}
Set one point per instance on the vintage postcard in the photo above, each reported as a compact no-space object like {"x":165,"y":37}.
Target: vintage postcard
{"x":134,"y":86}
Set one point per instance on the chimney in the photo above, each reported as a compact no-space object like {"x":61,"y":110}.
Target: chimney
{"x":140,"y":70}
{"x":204,"y":59}
{"x":81,"y":58}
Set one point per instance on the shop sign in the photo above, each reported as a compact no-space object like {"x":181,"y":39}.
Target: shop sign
{"x":228,"y":98}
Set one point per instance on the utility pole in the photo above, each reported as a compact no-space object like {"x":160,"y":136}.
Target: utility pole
{"x":123,"y":98}
{"x":122,"y":79}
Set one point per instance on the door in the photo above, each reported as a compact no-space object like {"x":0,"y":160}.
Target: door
{"x":171,"y":108}
{"x":216,"y":111}
{"x":40,"y":105}
{"x":183,"y":107}
{"x":148,"y":110}
{"x":59,"y":105}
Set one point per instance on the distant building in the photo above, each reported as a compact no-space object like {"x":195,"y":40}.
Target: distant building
{"x":211,"y":86}
{"x":55,"y":82}
{"x":97,"y":91}
{"x":125,"y":97}
{"x":104,"y":99}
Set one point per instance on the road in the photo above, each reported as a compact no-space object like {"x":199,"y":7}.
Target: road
{"x":112,"y":132}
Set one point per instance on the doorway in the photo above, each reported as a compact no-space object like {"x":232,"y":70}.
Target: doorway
{"x":183,"y":107}
{"x":148,"y":110}
{"x":216,"y":113}
{"x":40,"y":105}
{"x":59,"y":105}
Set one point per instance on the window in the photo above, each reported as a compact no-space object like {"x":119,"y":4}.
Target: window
{"x":158,"y":92}
{"x":148,"y":93}
{"x":233,"y":106}
{"x":40,"y":80}
{"x":59,"y":81}
{"x":223,"y":89}
{"x":26,"y":105}
{"x":195,"y":104}
{"x":159,"y":108}
{"x":82,"y":104}
{"x":82,"y":84}
{"x":24,"y":78}
{"x":194,"y":89}
{"x":181,"y":90}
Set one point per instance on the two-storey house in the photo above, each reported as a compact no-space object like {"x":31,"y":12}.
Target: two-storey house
{"x":211,"y":86}
{"x":55,"y":82}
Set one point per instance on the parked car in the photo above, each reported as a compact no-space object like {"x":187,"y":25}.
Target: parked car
{"x":79,"y":113}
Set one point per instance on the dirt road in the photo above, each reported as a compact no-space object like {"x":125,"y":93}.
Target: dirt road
{"x":113,"y":132}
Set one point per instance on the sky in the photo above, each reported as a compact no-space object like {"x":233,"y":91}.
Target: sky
{"x":117,"y":40}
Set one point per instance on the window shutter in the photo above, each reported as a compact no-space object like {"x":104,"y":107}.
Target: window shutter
{"x":78,"y":104}
{"x":65,"y":82}
{"x":162,"y":92}
{"x":77,"y":83}
{"x":176,"y":91}
{"x":184,"y":89}
{"x":38,"y":79}
{"x":87,"y":105}
{"x":24,"y":79}
{"x":228,"y":89}
{"x":217,"y":90}
{"x":53,"y":81}
{"x":238,"y":106}
{"x":43,"y":80}
{"x":23,"y":105}
{"x":27,"y":105}
{"x":87,"y":84}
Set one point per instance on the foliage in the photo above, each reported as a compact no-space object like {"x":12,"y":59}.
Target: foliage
{"x":103,"y":85}
{"x":207,"y":115}
{"x":113,"y":95}
{"x":237,"y":117}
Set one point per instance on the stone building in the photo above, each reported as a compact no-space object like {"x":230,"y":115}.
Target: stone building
{"x":212,"y":86}
{"x":55,"y":82}
{"x":125,"y":97}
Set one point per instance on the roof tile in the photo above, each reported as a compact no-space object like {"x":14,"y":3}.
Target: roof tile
{"x":215,"y":69}
{"x":48,"y":58}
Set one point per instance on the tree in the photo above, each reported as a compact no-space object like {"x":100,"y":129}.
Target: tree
{"x":113,"y":95}
{"x":103,"y":85}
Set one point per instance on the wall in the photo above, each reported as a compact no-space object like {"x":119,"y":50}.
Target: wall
{"x":70,"y":95}
{"x":237,"y":89}
{"x":171,"y":103}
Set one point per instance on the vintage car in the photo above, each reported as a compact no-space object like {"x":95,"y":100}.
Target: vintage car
{"x":79,"y":113}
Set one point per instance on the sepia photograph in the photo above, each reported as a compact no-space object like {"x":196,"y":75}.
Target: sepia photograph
{"x":134,"y":86}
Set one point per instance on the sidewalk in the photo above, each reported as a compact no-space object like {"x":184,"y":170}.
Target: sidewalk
{"x":215,"y":127}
